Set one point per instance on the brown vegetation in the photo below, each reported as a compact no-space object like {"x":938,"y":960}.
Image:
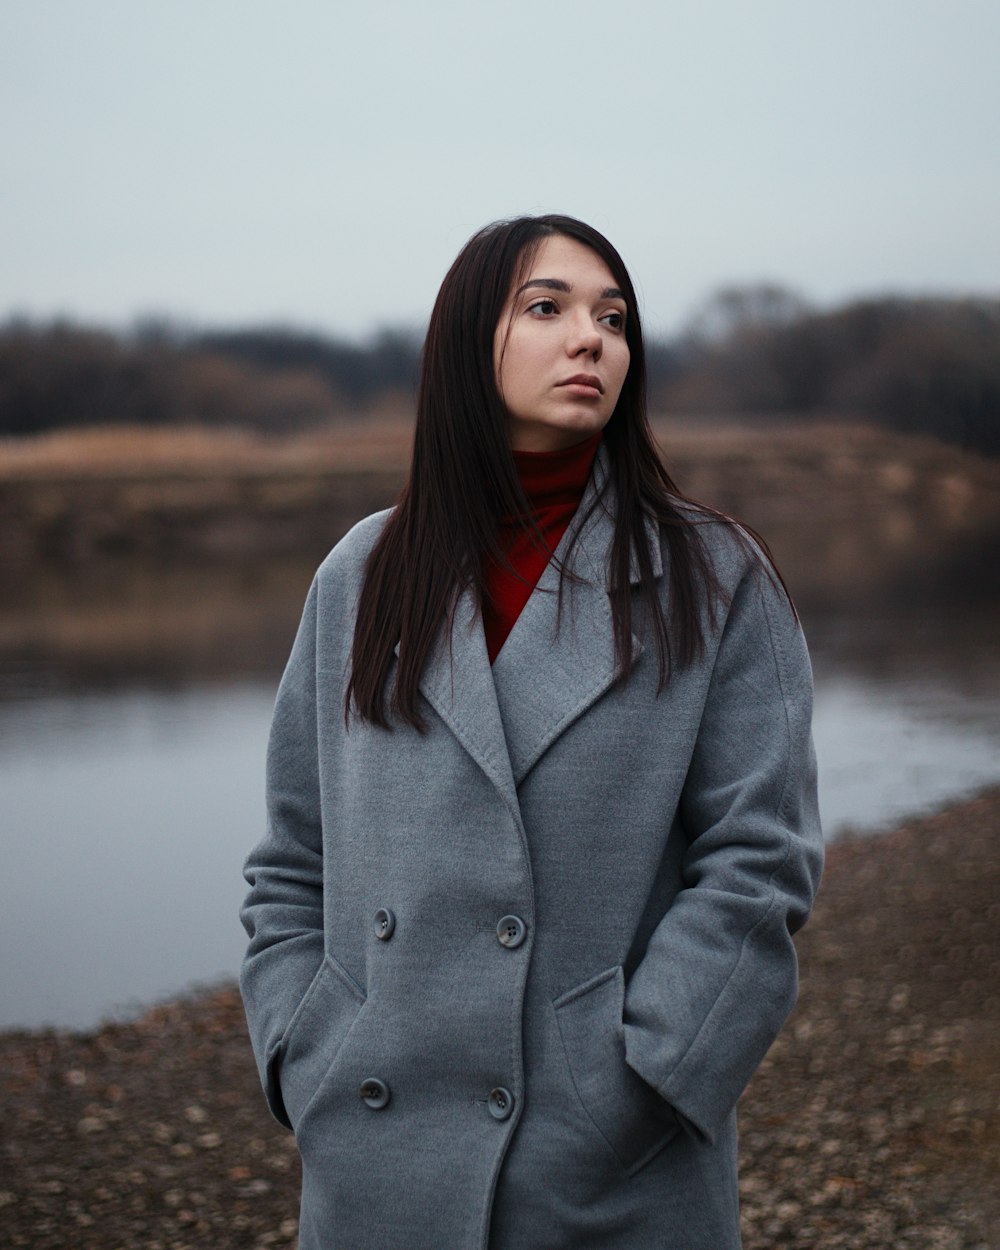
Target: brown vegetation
{"x":844,"y":505}
{"x":132,"y":552}
{"x":75,"y":496}
{"x":140,"y":451}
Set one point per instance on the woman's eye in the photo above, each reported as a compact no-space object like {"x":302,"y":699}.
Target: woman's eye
{"x":615,"y":320}
{"x":544,"y":307}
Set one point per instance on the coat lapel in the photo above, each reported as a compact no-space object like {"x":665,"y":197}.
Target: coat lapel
{"x":458,"y":684}
{"x":558,"y":661}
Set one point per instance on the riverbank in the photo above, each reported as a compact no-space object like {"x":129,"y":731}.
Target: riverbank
{"x":179,"y":552}
{"x":873,"y":1123}
{"x":850,"y":504}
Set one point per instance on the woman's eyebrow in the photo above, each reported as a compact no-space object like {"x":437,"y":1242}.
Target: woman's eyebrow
{"x":547,"y":284}
{"x":557,"y":284}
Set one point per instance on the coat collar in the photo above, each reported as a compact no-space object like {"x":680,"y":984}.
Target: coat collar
{"x":557,"y":661}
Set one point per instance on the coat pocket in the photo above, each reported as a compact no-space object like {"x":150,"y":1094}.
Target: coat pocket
{"x":629,"y":1114}
{"x":315,"y":1034}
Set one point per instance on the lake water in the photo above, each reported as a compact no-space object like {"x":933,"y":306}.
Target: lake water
{"x":132,"y":790}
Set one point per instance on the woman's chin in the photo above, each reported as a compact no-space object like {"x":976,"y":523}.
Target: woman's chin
{"x":572,"y":428}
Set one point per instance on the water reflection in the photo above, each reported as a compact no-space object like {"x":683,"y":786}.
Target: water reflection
{"x":127,"y":816}
{"x":886,"y":753}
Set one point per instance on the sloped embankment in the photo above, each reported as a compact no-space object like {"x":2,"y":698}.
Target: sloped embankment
{"x":843,"y":502}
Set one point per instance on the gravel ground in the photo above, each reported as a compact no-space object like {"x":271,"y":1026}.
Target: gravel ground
{"x":873,"y":1123}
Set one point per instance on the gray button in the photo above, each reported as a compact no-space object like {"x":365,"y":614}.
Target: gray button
{"x":385,"y":923}
{"x":375,"y":1093}
{"x":511,"y":931}
{"x":500,"y":1103}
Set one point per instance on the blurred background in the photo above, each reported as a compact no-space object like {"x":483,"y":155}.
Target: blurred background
{"x":223,"y":225}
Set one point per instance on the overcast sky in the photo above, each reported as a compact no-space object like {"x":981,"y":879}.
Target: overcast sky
{"x":321,"y":162}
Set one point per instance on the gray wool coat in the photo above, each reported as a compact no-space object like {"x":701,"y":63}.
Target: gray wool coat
{"x":507,"y":980}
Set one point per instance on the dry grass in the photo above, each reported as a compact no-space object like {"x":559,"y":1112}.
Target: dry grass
{"x":120,"y":451}
{"x":875,"y":500}
{"x":384,"y":443}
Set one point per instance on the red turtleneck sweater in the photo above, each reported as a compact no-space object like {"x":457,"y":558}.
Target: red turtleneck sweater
{"x":554,"y":482}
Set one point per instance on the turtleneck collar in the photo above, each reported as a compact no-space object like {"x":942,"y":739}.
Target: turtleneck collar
{"x":556,"y":477}
{"x":554,"y":482}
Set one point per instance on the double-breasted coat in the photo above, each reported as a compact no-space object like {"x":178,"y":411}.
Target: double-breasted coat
{"x":507,"y":979}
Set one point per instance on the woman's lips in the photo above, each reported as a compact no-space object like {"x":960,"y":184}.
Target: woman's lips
{"x":585,"y":385}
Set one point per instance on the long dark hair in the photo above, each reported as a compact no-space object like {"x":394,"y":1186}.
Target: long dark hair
{"x":463,"y":479}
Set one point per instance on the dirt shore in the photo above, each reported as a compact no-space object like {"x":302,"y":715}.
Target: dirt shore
{"x":873,"y":1123}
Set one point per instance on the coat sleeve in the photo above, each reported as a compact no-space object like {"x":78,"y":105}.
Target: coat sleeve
{"x":283,"y":911}
{"x":719,"y":974}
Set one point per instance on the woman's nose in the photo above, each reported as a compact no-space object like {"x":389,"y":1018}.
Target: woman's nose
{"x":586,"y":340}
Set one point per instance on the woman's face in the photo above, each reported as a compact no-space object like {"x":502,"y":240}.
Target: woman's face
{"x":559,"y":351}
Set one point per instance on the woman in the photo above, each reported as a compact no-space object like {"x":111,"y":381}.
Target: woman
{"x":542,"y":806}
